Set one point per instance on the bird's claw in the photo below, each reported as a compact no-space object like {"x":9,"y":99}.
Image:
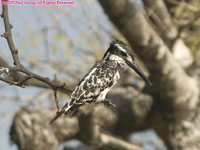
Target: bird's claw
{"x":108,"y":103}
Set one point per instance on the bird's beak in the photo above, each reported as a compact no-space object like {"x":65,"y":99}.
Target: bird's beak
{"x":138,"y":70}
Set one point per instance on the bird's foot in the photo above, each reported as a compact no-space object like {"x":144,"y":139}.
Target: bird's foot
{"x":74,"y":113}
{"x":108,"y":103}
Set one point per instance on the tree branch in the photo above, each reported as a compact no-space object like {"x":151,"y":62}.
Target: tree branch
{"x":92,"y":135}
{"x":176,"y":95}
{"x":173,"y":84}
{"x":88,"y":125}
{"x":19,"y":67}
{"x":8,"y":35}
{"x":160,"y":17}
{"x":17,"y":78}
{"x":164,"y":25}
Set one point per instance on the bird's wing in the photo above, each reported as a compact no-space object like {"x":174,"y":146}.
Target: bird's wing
{"x":99,"y":78}
{"x":93,"y":83}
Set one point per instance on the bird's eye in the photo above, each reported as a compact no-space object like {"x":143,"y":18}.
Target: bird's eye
{"x":124,"y":54}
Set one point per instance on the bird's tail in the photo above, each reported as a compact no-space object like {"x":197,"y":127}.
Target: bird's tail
{"x":59,"y":113}
{"x":67,"y":108}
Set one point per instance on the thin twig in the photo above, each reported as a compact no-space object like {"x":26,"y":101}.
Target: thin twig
{"x":19,"y":67}
{"x":10,"y":82}
{"x":14,"y":74}
{"x":8,"y":35}
{"x":56,"y":99}
{"x":22,"y":82}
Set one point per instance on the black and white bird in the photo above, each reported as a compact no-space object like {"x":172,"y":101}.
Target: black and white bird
{"x":95,"y":85}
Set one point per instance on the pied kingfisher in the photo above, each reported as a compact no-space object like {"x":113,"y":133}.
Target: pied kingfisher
{"x":101,"y":78}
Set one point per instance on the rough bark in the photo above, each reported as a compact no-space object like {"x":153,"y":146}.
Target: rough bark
{"x":30,"y":130}
{"x":169,"y":78}
{"x":31,"y":126}
{"x":176,"y":94}
{"x":160,"y":17}
{"x":163,"y":25}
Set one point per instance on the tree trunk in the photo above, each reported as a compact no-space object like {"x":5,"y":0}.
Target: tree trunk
{"x":174,"y":115}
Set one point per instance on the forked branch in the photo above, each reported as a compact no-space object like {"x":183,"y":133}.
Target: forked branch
{"x":18,"y":66}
